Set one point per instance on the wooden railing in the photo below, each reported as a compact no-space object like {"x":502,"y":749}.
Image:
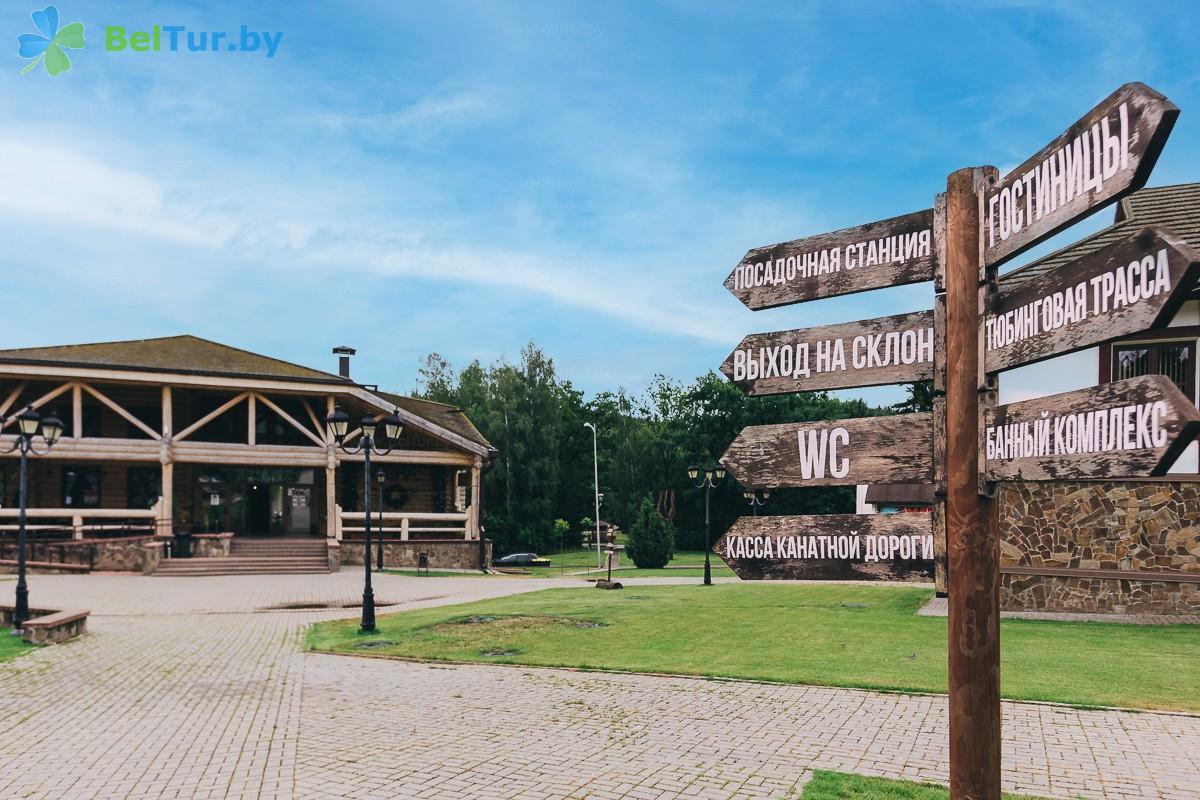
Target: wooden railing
{"x":402,"y":524}
{"x":81,"y":521}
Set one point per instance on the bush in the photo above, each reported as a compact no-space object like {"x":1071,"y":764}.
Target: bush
{"x":651,"y":539}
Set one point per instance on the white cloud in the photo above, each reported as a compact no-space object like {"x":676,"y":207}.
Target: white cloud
{"x":57,"y":182}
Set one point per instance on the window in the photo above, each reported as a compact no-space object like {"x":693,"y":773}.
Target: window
{"x":143,"y":486}
{"x":81,"y":487}
{"x":1175,"y":360}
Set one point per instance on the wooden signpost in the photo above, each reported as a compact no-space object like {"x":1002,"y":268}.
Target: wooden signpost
{"x":1106,"y":155}
{"x":896,"y":449}
{"x":1132,"y":427}
{"x":862,"y":547}
{"x":1132,"y":285}
{"x":892,"y":252}
{"x":873,"y":352}
{"x":1124,"y":429}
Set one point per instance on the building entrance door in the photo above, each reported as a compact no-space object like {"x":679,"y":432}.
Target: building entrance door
{"x":258,"y":508}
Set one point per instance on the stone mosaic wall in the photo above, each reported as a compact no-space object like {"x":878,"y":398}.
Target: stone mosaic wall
{"x":1129,"y":526}
{"x":446,"y":554}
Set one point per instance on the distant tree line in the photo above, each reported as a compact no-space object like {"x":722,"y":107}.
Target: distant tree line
{"x":543,"y":471}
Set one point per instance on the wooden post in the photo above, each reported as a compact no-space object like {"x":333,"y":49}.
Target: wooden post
{"x":76,"y":411}
{"x":167,"y":504}
{"x":972,"y":541}
{"x":251,"y":423}
{"x":331,"y":510}
{"x":473,"y":529}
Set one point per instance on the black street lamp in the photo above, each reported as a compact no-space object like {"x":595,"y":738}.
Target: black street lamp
{"x":381,"y":479}
{"x":756,"y":498}
{"x":29,"y":425}
{"x":711,"y":476}
{"x":339,"y":423}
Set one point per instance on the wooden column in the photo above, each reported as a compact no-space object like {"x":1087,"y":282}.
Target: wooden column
{"x":166,"y":457}
{"x":77,"y":412}
{"x":972,"y":541}
{"x":251,"y":422}
{"x":473,"y":529}
{"x":331,"y":520}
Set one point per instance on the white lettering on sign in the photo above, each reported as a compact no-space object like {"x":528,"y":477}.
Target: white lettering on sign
{"x":898,"y":248}
{"x":870,"y":351}
{"x":819,"y":449}
{"x":1139,"y":280}
{"x":851,"y":547}
{"x":1141,"y":426}
{"x":1077,"y":168}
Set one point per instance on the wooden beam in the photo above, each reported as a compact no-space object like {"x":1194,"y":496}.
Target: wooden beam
{"x":288,"y":419}
{"x":153,"y":434}
{"x":12,"y":397}
{"x":41,"y":401}
{"x":210,"y":416}
{"x":312,"y":416}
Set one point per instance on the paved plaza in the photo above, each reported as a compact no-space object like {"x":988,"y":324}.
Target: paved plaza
{"x":198,"y":687}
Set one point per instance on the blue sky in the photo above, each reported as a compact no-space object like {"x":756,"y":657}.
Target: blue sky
{"x":464,"y":178}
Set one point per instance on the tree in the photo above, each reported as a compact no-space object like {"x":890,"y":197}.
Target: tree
{"x":651,"y":538}
{"x":920,"y":398}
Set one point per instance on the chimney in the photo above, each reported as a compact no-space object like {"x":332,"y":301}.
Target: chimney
{"x":343,"y":353}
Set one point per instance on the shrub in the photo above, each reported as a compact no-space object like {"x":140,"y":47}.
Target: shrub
{"x":651,"y":539}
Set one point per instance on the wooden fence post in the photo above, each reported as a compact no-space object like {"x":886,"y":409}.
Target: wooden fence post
{"x":972,"y":540}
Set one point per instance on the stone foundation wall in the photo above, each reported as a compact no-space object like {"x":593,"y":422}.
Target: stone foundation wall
{"x":1128,"y":527}
{"x":443,"y":554}
{"x":211,"y":545}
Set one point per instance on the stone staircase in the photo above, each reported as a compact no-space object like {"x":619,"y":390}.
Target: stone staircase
{"x":256,"y":557}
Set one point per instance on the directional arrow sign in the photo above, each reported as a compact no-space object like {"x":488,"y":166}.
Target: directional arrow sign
{"x":871,"y":547}
{"x":1125,"y":429}
{"x":891,"y":252}
{"x":873,"y":352}
{"x":1101,"y":158}
{"x":1129,"y":286}
{"x":897,"y":449}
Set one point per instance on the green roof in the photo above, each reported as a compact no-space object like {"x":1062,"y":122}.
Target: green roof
{"x":1176,"y":208}
{"x":193,"y":355}
{"x":446,"y":416}
{"x":188,"y":354}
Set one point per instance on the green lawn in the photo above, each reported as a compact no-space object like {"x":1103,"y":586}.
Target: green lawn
{"x":839,"y":635}
{"x":842,"y":786}
{"x":11,"y":646}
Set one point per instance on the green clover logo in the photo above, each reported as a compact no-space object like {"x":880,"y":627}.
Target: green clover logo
{"x":47,"y":47}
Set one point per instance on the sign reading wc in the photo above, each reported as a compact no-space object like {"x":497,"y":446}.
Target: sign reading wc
{"x":178,"y":38}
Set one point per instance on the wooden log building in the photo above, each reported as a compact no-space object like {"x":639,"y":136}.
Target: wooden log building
{"x":185,"y":434}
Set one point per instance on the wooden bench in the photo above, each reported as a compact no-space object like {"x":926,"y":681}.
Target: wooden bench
{"x":49,"y":626}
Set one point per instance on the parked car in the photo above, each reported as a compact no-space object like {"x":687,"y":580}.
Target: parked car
{"x":516,"y":559}
{"x":522,"y":560}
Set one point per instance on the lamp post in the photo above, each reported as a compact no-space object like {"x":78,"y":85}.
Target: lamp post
{"x":756,"y":498}
{"x":29,"y":425}
{"x":339,"y":422}
{"x":711,"y":476}
{"x":596,"y":477}
{"x":381,"y":478}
